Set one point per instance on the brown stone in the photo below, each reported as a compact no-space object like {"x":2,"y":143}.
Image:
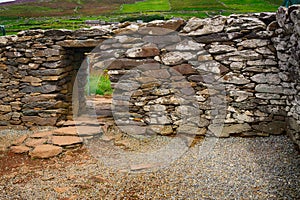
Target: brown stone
{"x":67,"y":131}
{"x":185,"y":69}
{"x":80,"y":43}
{"x":19,"y":149}
{"x":66,"y":140}
{"x":5,"y":108}
{"x":45,"y":151}
{"x":149,"y":50}
{"x":20,"y":140}
{"x":35,"y":142}
{"x":50,"y":121}
{"x":31,"y":79}
{"x":172,"y":24}
{"x":42,"y":134}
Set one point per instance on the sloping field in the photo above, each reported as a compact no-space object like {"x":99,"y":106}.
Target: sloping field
{"x":71,"y":14}
{"x":229,"y":5}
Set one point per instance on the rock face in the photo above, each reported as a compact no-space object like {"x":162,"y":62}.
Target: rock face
{"x":236,"y":73}
{"x":288,"y":50}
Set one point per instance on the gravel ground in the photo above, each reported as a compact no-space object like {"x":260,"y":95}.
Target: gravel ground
{"x":232,"y":168}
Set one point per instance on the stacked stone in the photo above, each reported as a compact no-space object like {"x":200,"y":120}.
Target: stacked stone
{"x":222,"y":76}
{"x":36,"y":72}
{"x":225,"y":68}
{"x":288,"y":52}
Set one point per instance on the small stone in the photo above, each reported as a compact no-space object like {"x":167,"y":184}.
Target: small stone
{"x":20,"y":149}
{"x":45,"y":151}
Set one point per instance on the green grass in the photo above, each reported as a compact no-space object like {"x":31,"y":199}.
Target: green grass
{"x":233,"y":6}
{"x":146,"y":6}
{"x":99,"y":84}
{"x":60,"y":14}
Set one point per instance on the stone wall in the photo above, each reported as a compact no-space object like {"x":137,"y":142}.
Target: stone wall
{"x":288,"y":53}
{"x":222,"y":76}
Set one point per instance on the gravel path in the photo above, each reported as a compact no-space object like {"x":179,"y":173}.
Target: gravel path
{"x":232,"y":168}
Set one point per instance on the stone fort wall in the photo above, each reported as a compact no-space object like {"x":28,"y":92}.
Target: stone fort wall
{"x":221,"y":76}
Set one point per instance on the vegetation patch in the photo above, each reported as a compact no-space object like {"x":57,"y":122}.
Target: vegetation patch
{"x":99,"y":84}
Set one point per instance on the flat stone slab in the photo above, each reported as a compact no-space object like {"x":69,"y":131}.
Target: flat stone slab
{"x":20,"y":149}
{"x":20,"y":140}
{"x":45,"y":151}
{"x":44,"y":134}
{"x":65,"y":140}
{"x":71,"y":131}
{"x":35,"y":142}
{"x":88,"y":130}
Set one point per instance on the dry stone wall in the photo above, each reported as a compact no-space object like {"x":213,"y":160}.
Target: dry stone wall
{"x":288,"y":53}
{"x":222,"y":76}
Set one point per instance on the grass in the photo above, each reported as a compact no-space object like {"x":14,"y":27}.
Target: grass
{"x":146,"y":6}
{"x":99,"y":84}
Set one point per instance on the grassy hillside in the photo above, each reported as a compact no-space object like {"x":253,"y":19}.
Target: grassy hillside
{"x":71,"y":14}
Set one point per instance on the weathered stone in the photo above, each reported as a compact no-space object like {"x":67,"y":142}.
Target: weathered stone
{"x":185,"y":69}
{"x":190,"y":129}
{"x":31,"y":79}
{"x":172,"y":24}
{"x":197,"y":27}
{"x":265,"y":62}
{"x":185,"y":45}
{"x":234,"y":78}
{"x":80,"y":43}
{"x":274,"y":127}
{"x":51,"y":121}
{"x":161,"y":129}
{"x":220,"y":49}
{"x":5,"y":108}
{"x":253,"y":43}
{"x":44,"y":134}
{"x":20,"y":140}
{"x":19,"y":149}
{"x":35,"y":142}
{"x":45,"y":151}
{"x":176,"y":58}
{"x":65,"y":140}
{"x":163,"y":41}
{"x":265,"y":88}
{"x":133,"y":130}
{"x":227,"y":130}
{"x":149,"y":50}
{"x":157,"y":74}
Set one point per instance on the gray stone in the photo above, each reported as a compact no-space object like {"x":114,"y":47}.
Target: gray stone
{"x":272,"y":89}
{"x":190,"y":129}
{"x":176,"y":58}
{"x":234,"y":78}
{"x":198,"y":27}
{"x":220,"y":49}
{"x":274,"y":127}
